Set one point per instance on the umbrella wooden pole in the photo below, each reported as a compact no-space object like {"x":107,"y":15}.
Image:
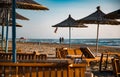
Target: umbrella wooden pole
{"x":14,"y":30}
{"x":7,"y":29}
{"x":2,"y":38}
{"x":2,"y":42}
{"x":97,"y":40}
{"x":69,"y":37}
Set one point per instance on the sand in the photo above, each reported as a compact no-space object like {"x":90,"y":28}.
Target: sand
{"x":50,"y":48}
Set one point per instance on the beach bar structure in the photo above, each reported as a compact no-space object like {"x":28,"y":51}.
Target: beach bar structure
{"x":34,"y":65}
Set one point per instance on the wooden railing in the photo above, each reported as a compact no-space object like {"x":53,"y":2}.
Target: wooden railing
{"x":42,"y":70}
{"x":21,"y":56}
{"x":9,"y":49}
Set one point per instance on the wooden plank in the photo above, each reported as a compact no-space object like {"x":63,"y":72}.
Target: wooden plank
{"x":77,"y":72}
{"x":59,"y":73}
{"x":26,"y":64}
{"x":7,"y":71}
{"x":71,"y":72}
{"x":53,"y":72}
{"x":65,"y":72}
{"x":82,"y":70}
{"x":27,"y":71}
{"x":46,"y":72}
{"x":20,"y":72}
{"x":40,"y":72}
{"x":1,"y":71}
{"x":34,"y":72}
{"x":14,"y":72}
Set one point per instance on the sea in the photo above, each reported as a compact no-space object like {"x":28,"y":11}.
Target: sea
{"x":101,"y":42}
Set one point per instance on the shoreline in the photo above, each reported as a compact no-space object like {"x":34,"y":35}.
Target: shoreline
{"x":114,"y":46}
{"x":50,"y":48}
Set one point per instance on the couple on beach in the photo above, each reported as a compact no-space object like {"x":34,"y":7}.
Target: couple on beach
{"x":61,"y":40}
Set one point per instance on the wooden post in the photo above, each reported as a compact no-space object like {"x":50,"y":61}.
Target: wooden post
{"x":100,"y":62}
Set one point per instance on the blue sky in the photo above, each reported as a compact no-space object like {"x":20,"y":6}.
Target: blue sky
{"x":39,"y":25}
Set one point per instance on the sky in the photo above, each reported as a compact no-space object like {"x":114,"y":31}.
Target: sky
{"x":40,"y":24}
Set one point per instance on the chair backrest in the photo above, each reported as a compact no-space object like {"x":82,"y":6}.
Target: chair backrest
{"x":87,"y":52}
{"x":70,"y":52}
{"x":78,"y":52}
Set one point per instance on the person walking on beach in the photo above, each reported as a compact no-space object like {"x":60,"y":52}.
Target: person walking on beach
{"x":60,"y":40}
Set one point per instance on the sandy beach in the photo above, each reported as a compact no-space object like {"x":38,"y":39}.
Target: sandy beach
{"x":50,"y":48}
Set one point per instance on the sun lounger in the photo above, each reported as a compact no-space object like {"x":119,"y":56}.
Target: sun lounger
{"x":87,"y":52}
{"x":88,"y":55}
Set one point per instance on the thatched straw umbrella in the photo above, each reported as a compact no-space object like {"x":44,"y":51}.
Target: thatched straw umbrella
{"x":69,"y":22}
{"x":97,"y":17}
{"x":23,"y":4}
{"x":113,"y":15}
{"x":4,"y":17}
{"x":10,"y":24}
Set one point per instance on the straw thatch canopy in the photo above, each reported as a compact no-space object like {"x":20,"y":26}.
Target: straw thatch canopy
{"x":69,"y":22}
{"x":23,"y":4}
{"x":10,"y":23}
{"x":18,"y":16}
{"x":96,"y":17}
{"x":114,"y":14}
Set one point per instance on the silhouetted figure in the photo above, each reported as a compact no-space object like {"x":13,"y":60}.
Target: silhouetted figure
{"x":62,"y":40}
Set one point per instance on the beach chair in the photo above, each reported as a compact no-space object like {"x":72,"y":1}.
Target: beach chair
{"x":88,"y":55}
{"x":70,"y":52}
{"x":116,"y":67}
{"x":73,"y":53}
{"x":87,"y":52}
{"x":61,"y":52}
{"x":78,"y":52}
